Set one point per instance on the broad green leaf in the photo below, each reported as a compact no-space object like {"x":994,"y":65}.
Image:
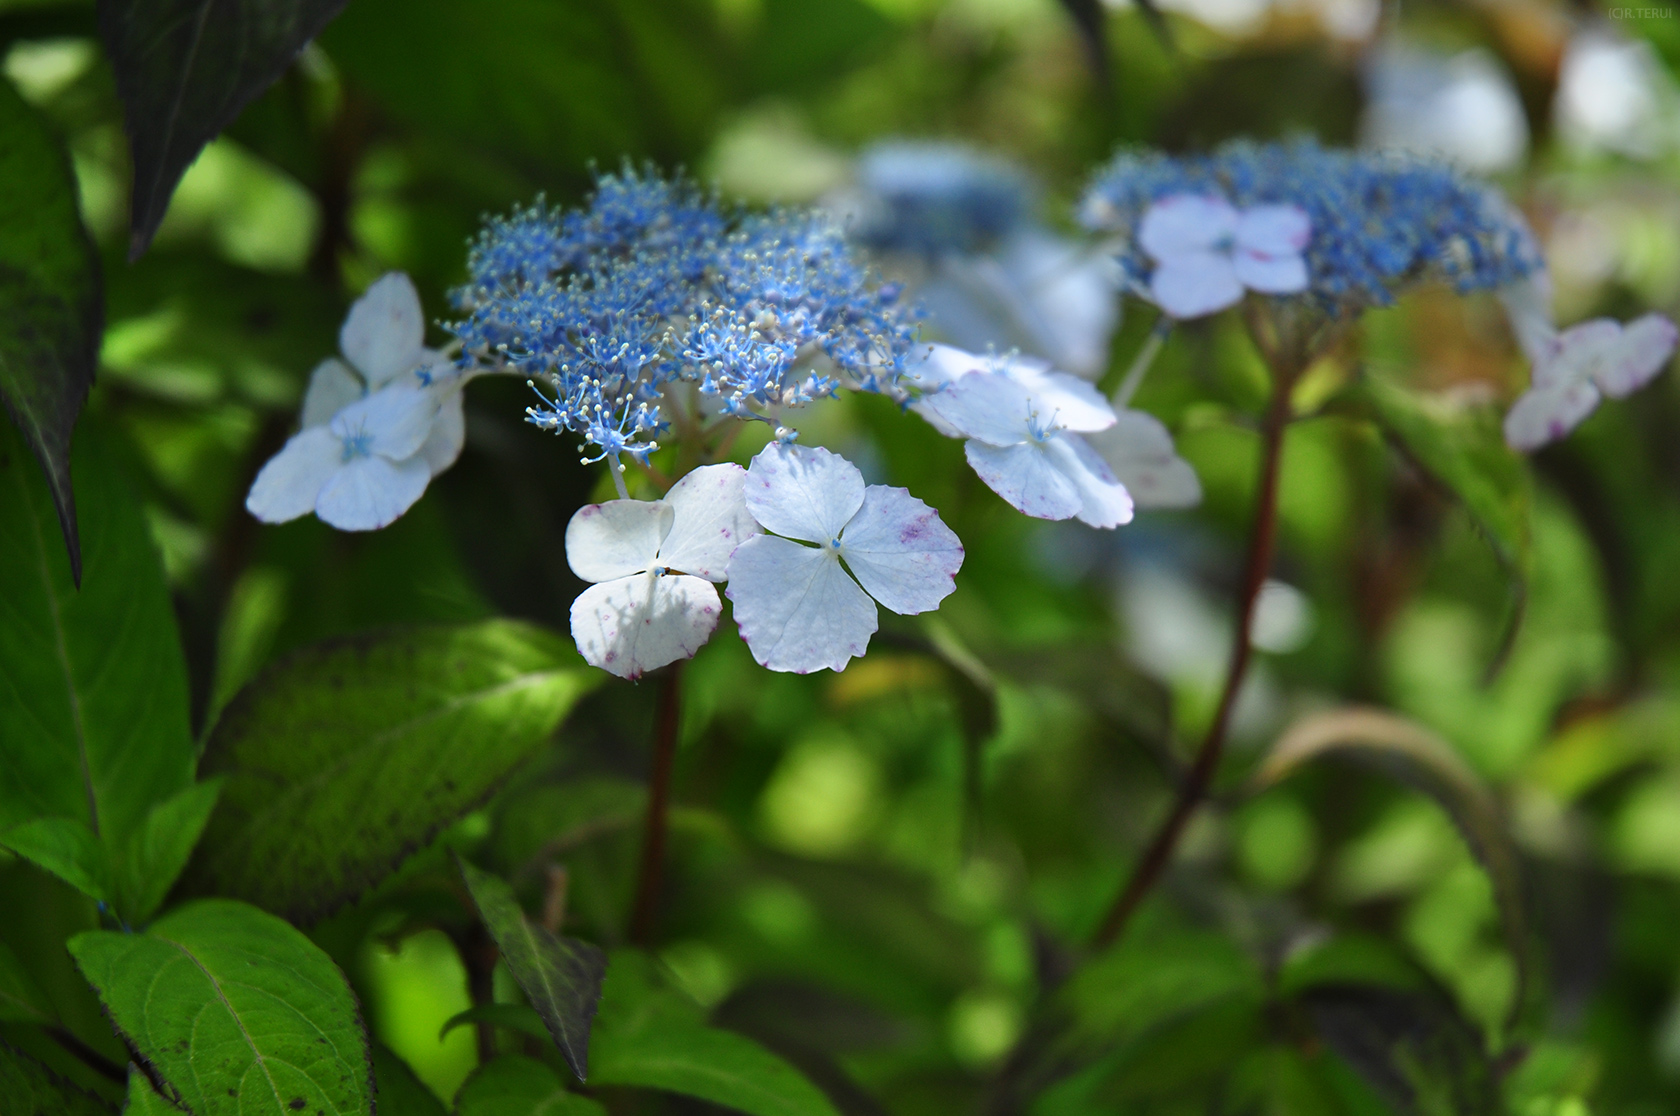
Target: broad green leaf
{"x":184,"y":70}
{"x":561,"y":977}
{"x":21,"y":998}
{"x":648,"y":1036}
{"x":235,"y":1010}
{"x":143,"y":1100}
{"x":50,"y":314}
{"x":158,"y":851}
{"x":1412,"y":1048}
{"x":515,"y":1017}
{"x":544,"y":821}
{"x":1417,"y":756}
{"x":350,"y":755}
{"x":400,"y":1093}
{"x":93,"y":688}
{"x":514,"y":1085}
{"x":65,"y":847}
{"x":1462,"y":446}
{"x":27,"y":1088}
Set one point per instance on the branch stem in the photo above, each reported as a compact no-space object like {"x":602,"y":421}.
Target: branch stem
{"x":648,"y":876}
{"x":1194,"y":787}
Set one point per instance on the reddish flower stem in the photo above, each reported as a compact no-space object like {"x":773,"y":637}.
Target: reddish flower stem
{"x":648,"y":877}
{"x":1196,"y":783}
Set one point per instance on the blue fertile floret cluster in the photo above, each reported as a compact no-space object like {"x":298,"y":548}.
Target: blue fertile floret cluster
{"x":654,"y":283}
{"x":1380,"y":221}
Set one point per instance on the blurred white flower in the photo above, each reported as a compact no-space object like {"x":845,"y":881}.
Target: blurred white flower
{"x":653,"y":564}
{"x":1614,"y":95}
{"x":1463,"y":107}
{"x":1139,"y":449}
{"x":962,"y":226}
{"x":1023,"y":423}
{"x":375,"y":429}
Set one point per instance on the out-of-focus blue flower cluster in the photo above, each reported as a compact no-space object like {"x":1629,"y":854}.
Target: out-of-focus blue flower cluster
{"x":935,"y":198}
{"x":1380,"y":221}
{"x":653,"y":282}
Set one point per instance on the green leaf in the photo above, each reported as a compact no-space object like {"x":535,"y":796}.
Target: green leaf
{"x":65,"y":847}
{"x":1413,"y":754}
{"x":50,"y":313}
{"x":184,"y":70}
{"x":21,"y":998}
{"x":350,"y":755}
{"x":649,"y":1036}
{"x":1462,"y":446}
{"x":143,"y":1100}
{"x":514,"y":1085}
{"x":235,"y":1010}
{"x":561,"y":977}
{"x":158,"y":851}
{"x":400,"y":1092}
{"x":27,"y":1088}
{"x":515,"y":1017}
{"x":93,"y":688}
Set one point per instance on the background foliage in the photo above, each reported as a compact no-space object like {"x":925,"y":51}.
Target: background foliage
{"x":881,"y":883}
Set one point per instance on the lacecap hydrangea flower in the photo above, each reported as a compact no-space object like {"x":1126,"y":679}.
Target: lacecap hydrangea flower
{"x":654,"y":284}
{"x":962,"y":227}
{"x":1377,"y":223}
{"x":654,"y":307}
{"x":377,"y":429}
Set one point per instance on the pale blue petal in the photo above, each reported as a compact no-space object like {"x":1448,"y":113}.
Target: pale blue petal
{"x":617,"y":538}
{"x":803,"y":492}
{"x":797,"y":609}
{"x":288,"y":484}
{"x":639,"y":623}
{"x":1103,"y":500}
{"x":711,"y":520}
{"x":1025,"y":477}
{"x":385,"y":330}
{"x":367,"y":493}
{"x":332,"y":387}
{"x":393,"y":422}
{"x":900,"y":551}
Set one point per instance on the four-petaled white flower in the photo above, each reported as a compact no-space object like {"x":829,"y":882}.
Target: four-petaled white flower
{"x":1139,"y":449}
{"x":375,"y":430}
{"x":795,"y":605}
{"x":1575,"y":369}
{"x":654,"y":562}
{"x":1023,"y":423}
{"x":1206,"y":251}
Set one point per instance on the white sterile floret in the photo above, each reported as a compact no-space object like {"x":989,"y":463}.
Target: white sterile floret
{"x":797,"y":608}
{"x":344,"y":430}
{"x":1206,"y":251}
{"x":358,"y":472}
{"x":654,"y":563}
{"x":1023,"y":424}
{"x":1139,"y":449}
{"x":1575,"y":369}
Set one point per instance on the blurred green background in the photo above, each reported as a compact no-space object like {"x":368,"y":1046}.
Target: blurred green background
{"x":856,"y":880}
